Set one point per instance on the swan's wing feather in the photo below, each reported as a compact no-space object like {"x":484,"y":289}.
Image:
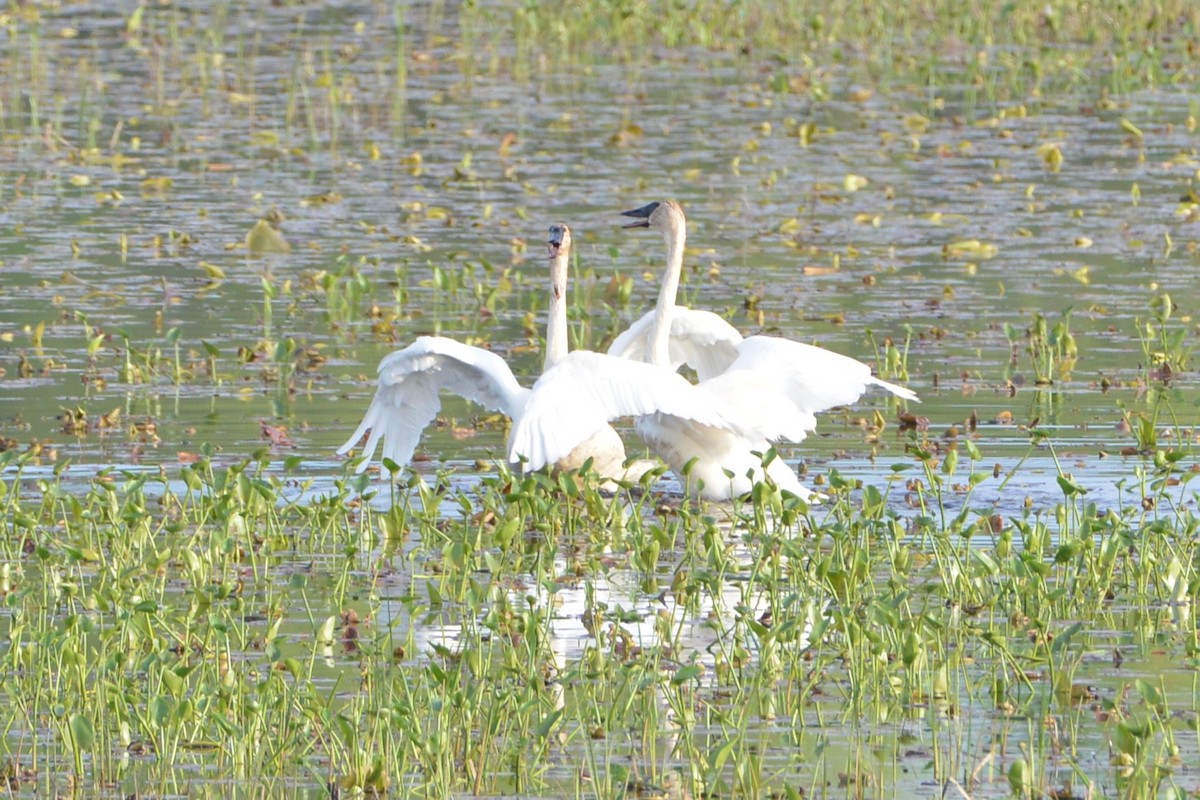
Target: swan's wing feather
{"x":704,"y":341}
{"x":410,"y":381}
{"x":584,"y":391}
{"x":903,"y":392}
{"x":700,"y":339}
{"x":782,"y":385}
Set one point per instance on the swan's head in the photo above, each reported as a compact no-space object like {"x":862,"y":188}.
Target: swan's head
{"x":558,"y":247}
{"x":559,"y":243}
{"x":663,"y":217}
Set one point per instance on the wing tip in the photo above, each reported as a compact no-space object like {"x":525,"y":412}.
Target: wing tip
{"x":349,"y":444}
{"x":903,"y":392}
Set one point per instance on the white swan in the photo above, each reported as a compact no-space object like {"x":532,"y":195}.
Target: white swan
{"x":774,"y":386}
{"x":603,"y":388}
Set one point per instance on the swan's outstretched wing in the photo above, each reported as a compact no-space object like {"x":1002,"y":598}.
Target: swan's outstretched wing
{"x":780,"y":385}
{"x":580,"y":394}
{"x":902,"y":392}
{"x":407,"y":398}
{"x":700,"y":339}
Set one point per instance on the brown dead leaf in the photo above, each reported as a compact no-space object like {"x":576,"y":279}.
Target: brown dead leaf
{"x":75,"y":422}
{"x":626,"y":135}
{"x":277,"y":435}
{"x":912,"y":422}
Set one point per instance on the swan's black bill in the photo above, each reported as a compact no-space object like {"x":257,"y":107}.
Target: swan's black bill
{"x":643,"y":215}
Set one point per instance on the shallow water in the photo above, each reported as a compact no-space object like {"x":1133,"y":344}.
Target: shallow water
{"x":783,"y":208}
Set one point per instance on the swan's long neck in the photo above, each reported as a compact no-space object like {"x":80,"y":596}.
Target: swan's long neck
{"x":556,"y":325}
{"x":657,"y":350}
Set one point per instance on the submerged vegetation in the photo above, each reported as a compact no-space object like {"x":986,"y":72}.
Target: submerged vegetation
{"x":214,"y":220}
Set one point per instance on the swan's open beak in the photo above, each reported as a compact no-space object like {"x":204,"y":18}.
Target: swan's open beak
{"x":555,"y":243}
{"x":643,"y":215}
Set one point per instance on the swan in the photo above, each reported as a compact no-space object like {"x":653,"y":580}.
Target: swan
{"x":602,"y":388}
{"x":775,"y":386}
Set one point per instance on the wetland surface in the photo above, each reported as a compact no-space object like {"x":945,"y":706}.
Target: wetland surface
{"x":215,"y":222}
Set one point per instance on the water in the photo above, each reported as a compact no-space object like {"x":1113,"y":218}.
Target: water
{"x":783,"y":207}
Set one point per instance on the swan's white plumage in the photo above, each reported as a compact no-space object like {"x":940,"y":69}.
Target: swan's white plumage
{"x":699,"y":339}
{"x":410,"y":381}
{"x":584,"y":391}
{"x":701,"y":455}
{"x":813,"y":378}
{"x":773,"y":387}
{"x":782,"y":385}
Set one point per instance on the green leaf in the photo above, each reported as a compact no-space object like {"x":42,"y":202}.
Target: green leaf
{"x":1150,"y":693}
{"x":173,"y":683}
{"x":133,"y":23}
{"x":1069,"y":487}
{"x":160,"y":710}
{"x":1063,"y":639}
{"x":548,"y":722}
{"x":1129,"y":736}
{"x":265,"y":240}
{"x":1067,"y":551}
{"x":718,"y":757}
{"x":227,"y":726}
{"x":1020,"y":778}
{"x":83,"y":736}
